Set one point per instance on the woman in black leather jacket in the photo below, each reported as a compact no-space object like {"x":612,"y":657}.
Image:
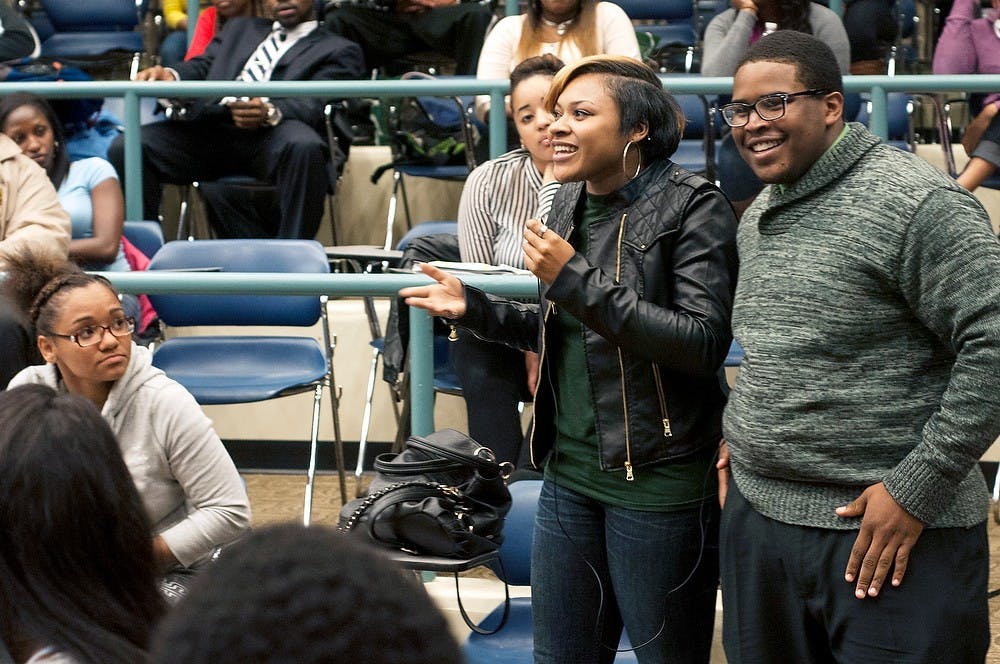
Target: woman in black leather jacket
{"x":637,"y":268}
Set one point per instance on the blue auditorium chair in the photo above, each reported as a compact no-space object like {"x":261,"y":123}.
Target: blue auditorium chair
{"x":230,"y":369}
{"x":78,"y":30}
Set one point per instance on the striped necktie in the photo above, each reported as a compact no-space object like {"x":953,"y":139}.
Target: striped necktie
{"x":261,"y":63}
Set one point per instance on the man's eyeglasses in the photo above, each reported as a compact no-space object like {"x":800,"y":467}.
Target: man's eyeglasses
{"x":769,"y":107}
{"x":91,"y":335}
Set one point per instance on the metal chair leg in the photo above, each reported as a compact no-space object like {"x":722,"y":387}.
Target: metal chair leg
{"x":314,"y":443}
{"x":390,"y":221}
{"x":366,"y":419}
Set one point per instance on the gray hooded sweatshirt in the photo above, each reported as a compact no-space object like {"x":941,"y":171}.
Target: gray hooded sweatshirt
{"x":188,"y":483}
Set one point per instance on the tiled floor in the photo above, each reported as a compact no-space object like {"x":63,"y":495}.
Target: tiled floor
{"x":276,"y":498}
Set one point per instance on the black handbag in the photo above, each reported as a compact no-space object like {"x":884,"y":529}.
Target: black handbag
{"x":444,"y":495}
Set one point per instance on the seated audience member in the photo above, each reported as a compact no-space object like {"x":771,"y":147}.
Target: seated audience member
{"x":498,"y":199}
{"x":88,"y":189}
{"x":78,"y":575}
{"x":390,"y":29}
{"x":727,"y":39}
{"x":175,"y":43}
{"x":17,"y":38}
{"x":567,"y":30}
{"x":277,"y":140}
{"x":730,"y":34}
{"x":30,"y":218}
{"x":213,"y":18}
{"x":189,"y":485}
{"x":969,"y":44}
{"x":288,"y":593}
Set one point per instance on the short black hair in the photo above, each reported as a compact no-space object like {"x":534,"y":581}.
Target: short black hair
{"x":638,"y":92}
{"x":288,"y":593}
{"x":815,"y":64}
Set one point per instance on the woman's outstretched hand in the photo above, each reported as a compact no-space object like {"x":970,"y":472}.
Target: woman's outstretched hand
{"x":445,"y":298}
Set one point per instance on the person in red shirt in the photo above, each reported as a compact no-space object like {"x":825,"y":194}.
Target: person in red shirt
{"x":213,"y":18}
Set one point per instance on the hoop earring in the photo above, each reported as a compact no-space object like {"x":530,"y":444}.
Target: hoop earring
{"x":638,"y":165}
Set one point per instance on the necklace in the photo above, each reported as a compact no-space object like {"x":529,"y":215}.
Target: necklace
{"x":561,"y":28}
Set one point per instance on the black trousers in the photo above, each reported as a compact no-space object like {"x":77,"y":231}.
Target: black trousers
{"x":871,"y":28}
{"x":457,"y":31}
{"x":786,"y":599}
{"x":494,"y":380}
{"x":292,"y":156}
{"x":17,"y":347}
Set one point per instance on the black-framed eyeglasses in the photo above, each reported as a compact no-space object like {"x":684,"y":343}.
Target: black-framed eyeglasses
{"x":91,"y":335}
{"x":769,"y":107}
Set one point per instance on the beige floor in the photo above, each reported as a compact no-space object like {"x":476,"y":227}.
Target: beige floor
{"x":276,"y":498}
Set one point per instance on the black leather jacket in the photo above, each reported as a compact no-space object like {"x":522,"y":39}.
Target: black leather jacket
{"x":655,"y":293}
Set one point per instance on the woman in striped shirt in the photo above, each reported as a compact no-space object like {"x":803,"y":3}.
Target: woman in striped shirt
{"x":499,"y":198}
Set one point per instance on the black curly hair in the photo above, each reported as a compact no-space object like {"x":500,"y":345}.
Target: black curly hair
{"x":288,"y":593}
{"x":37,"y":283}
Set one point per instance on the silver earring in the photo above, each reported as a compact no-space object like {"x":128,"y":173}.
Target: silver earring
{"x":638,"y":164}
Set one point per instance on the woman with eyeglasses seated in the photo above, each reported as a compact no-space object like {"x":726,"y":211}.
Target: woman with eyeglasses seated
{"x":78,"y":575}
{"x":193,"y":495}
{"x":637,"y":269}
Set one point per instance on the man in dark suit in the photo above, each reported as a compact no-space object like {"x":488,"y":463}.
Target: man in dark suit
{"x":277,"y":140}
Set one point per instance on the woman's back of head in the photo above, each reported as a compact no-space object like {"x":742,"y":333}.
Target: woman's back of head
{"x":76,"y":558}
{"x":307,"y":595}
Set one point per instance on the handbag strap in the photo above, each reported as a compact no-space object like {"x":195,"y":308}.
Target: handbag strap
{"x":389,"y":464}
{"x":482,"y":458}
{"x":506,"y":606}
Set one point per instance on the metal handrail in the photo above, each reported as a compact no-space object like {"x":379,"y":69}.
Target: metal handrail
{"x":877,"y":86}
{"x":421,"y":353}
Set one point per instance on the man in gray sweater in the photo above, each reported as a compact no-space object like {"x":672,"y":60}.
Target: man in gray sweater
{"x":868,"y":305}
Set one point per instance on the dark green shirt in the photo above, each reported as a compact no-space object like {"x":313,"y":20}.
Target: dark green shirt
{"x":575,"y":461}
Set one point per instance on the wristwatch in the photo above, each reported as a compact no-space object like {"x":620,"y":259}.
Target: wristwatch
{"x":273,"y":115}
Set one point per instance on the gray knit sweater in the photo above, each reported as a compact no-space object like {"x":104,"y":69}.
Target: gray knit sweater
{"x":868,"y":304}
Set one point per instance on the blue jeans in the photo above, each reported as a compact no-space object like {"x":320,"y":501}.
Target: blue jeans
{"x":595,"y":568}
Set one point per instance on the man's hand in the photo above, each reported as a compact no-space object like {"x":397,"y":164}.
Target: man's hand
{"x":888,"y":534}
{"x":722,"y":468}
{"x":446,"y":298}
{"x":531,"y":368}
{"x":748,"y":5}
{"x":249,"y":114}
{"x":156,"y":73}
{"x":545,"y":253}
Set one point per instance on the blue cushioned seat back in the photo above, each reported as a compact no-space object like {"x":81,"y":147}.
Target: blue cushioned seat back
{"x":93,"y":15}
{"x":515,"y":551}
{"x":281,"y":256}
{"x":146,"y":236}
{"x":652,"y":10}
